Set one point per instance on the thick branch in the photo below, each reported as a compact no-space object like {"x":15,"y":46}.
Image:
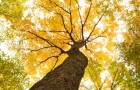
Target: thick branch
{"x":32,"y":50}
{"x":40,"y":37}
{"x":49,"y":42}
{"x":88,"y":49}
{"x":39,"y":48}
{"x":63,"y":21}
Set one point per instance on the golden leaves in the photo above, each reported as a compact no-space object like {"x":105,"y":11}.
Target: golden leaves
{"x":52,"y":26}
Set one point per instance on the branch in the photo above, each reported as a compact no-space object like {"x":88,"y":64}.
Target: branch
{"x":32,"y":50}
{"x":63,"y":21}
{"x":46,"y":60}
{"x":49,"y":42}
{"x":51,"y":45}
{"x":71,"y":19}
{"x":95,"y":38}
{"x":112,"y":85}
{"x":92,"y":40}
{"x":55,"y":63}
{"x":88,"y":49}
{"x":117,"y":82}
{"x":85,"y":87}
{"x":40,"y":37}
{"x":87,"y":14}
{"x":79,"y":12}
{"x":58,"y":31}
{"x":59,"y":6}
{"x":82,"y":32}
{"x":63,"y":35}
{"x":99,"y":36}
{"x":49,"y":58}
{"x":102,"y":84}
{"x":94,"y":27}
{"x":92,"y":79}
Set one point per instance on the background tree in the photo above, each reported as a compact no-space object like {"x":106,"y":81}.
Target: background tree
{"x":12,"y":9}
{"x":130,"y":47}
{"x":12,"y":75}
{"x":102,"y":74}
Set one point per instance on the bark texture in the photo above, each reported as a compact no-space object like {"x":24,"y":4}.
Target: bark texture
{"x":67,"y":76}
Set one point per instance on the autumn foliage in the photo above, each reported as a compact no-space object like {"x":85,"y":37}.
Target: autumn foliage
{"x":49,"y":29}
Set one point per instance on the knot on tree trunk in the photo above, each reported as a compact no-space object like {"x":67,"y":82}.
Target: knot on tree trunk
{"x":78,"y":44}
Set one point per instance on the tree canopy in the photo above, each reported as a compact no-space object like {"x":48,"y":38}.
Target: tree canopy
{"x":57,"y":26}
{"x":43,"y":31}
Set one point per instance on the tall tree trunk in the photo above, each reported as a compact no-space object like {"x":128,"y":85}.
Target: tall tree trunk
{"x":67,"y":76}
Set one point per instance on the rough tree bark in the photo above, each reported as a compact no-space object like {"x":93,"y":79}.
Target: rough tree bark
{"x":67,"y":76}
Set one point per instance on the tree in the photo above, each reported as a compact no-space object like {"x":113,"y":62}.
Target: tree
{"x":59,"y":35}
{"x":130,"y":47}
{"x":103,"y":73}
{"x":56,"y":30}
{"x":12,"y":9}
{"x":12,"y":75}
{"x":69,"y":29}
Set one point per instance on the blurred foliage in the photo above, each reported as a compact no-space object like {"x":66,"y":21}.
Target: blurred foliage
{"x":12,"y":9}
{"x":130,"y":48}
{"x":109,"y":76}
{"x":130,"y":52}
{"x":12,"y":75}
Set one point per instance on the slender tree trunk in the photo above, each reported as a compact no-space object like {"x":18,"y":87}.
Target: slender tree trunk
{"x":67,"y":76}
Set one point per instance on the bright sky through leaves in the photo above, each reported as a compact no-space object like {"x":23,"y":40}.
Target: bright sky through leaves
{"x":37,"y":20}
